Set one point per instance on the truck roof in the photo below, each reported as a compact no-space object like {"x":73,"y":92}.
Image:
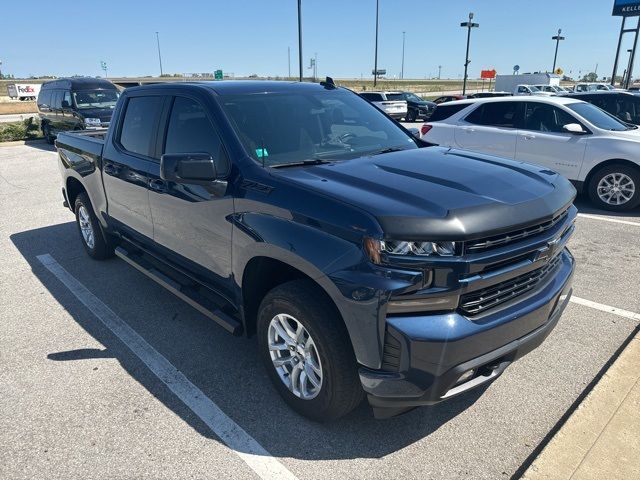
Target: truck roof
{"x":79,"y":83}
{"x":238,"y":87}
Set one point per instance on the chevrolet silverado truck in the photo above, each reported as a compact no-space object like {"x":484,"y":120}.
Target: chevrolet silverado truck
{"x":367,"y":262}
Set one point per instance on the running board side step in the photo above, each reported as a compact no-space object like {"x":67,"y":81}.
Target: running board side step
{"x":183,"y":292}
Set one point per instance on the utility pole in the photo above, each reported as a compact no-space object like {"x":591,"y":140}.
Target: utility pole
{"x":0,"y":68}
{"x":402,"y":71}
{"x":300,"y":39}
{"x":557,"y":38}
{"x":625,"y":77}
{"x":159,"y":54}
{"x":439,"y":71}
{"x":468,"y":25}
{"x":289,"y":60}
{"x":375,"y":61}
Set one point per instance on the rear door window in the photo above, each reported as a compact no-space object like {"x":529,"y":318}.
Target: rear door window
{"x":444,"y":111}
{"x":495,"y":114}
{"x":139,"y":124}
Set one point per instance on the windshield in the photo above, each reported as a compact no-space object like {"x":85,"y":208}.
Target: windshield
{"x":290,"y":127}
{"x":598,"y":117}
{"x":534,"y":88}
{"x":95,"y":98}
{"x":413,"y":97}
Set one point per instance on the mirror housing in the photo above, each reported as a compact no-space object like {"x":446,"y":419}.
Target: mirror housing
{"x":574,"y":128}
{"x":194,"y":168}
{"x":414,"y":131}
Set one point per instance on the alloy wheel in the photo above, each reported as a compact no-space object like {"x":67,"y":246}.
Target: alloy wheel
{"x":616,"y":188}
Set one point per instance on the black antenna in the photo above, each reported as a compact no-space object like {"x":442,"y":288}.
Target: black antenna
{"x":328,"y":83}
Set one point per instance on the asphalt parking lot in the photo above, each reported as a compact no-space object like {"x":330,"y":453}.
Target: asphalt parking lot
{"x":77,"y":402}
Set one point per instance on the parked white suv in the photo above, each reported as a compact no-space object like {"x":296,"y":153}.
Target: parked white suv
{"x":388,"y":102}
{"x":577,"y":139}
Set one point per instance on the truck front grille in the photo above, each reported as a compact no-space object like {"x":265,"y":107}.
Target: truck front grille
{"x":477,"y":302}
{"x":485,"y":244}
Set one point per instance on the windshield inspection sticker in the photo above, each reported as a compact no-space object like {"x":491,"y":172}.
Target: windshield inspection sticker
{"x":262,"y":152}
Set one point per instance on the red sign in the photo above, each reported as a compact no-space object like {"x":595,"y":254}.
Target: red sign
{"x":488,"y":74}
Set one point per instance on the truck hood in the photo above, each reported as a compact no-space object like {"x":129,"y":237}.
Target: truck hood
{"x":438,"y":193}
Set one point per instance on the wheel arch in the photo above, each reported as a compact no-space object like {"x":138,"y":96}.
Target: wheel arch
{"x":606,"y":163}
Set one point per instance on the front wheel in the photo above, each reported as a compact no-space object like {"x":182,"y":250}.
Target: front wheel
{"x":307,"y":352}
{"x":411,"y":116}
{"x":615,"y":187}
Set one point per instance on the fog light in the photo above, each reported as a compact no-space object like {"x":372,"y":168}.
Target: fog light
{"x":465,"y":376}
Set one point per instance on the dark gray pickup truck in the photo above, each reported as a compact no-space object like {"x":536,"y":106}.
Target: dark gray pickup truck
{"x":367,"y":262}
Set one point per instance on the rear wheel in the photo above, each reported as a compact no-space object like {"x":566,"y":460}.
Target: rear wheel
{"x":411,"y":116}
{"x":307,"y":352}
{"x":46,"y":132}
{"x":615,"y":187}
{"x":96,"y":242}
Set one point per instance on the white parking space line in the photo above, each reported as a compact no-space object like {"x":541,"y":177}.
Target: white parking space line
{"x":606,"y":308}
{"x":245,"y":446}
{"x":607,"y":219}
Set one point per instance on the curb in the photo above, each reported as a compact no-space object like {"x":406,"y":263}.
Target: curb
{"x":599,"y":438}
{"x":21,"y":142}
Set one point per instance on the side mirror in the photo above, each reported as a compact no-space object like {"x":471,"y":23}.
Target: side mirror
{"x":414,"y":131}
{"x":574,"y":128}
{"x":65,"y":104}
{"x":195,"y":168}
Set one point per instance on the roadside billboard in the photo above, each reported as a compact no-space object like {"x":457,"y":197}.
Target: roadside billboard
{"x":626,"y":8}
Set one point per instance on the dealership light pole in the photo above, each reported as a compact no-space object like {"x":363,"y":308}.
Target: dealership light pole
{"x":557,"y":38}
{"x":439,"y":71}
{"x":300,"y":39}
{"x":375,"y":60}
{"x":289,"y":60}
{"x":468,"y":25}
{"x":159,"y":55}
{"x":402,"y":71}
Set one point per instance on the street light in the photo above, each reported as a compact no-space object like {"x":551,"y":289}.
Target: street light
{"x":557,"y":38}
{"x":300,"y":39}
{"x":468,"y":25}
{"x":159,"y":55}
{"x":375,"y":60}
{"x":402,"y":71}
{"x":439,"y":71}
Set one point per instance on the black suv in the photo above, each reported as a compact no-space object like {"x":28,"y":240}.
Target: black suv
{"x":417,"y":108}
{"x":622,"y":105}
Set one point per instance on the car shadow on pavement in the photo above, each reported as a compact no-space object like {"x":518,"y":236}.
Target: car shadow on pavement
{"x":226,"y":368}
{"x":585,"y":205}
{"x":41,"y":145}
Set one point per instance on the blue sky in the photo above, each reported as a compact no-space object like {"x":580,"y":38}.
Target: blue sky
{"x":252,"y":36}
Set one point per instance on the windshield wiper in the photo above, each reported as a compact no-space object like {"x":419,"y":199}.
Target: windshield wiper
{"x":302,"y":163}
{"x":388,"y":150}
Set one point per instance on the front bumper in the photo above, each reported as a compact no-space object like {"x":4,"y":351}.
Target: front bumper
{"x":436,"y":350}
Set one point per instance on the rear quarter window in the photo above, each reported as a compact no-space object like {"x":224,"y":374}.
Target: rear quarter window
{"x":372,"y":97}
{"x":444,"y":111}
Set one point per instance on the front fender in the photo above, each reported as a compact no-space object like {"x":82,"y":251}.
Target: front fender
{"x":327,"y":259}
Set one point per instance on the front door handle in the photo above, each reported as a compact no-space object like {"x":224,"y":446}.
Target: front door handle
{"x":158,"y":185}
{"x":527,"y":136}
{"x":469,"y":129}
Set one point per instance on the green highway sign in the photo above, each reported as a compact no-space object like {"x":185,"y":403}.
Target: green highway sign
{"x":218,"y":74}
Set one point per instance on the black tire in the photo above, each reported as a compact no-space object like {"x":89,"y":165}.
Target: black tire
{"x":411,"y":116}
{"x":46,"y":132}
{"x":630,"y":172}
{"x":102,"y":246}
{"x":340,"y":390}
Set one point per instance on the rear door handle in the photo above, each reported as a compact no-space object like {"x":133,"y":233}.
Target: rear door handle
{"x":158,"y":185}
{"x":111,"y":169}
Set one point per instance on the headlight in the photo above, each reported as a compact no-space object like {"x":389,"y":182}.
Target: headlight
{"x":376,"y":248}
{"x":92,"y":122}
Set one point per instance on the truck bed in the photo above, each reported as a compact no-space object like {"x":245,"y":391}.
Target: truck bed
{"x":88,"y":142}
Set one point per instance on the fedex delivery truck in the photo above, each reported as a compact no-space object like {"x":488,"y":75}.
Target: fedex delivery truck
{"x":23,"y":91}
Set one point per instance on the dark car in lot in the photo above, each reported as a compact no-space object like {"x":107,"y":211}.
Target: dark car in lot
{"x":75,"y":104}
{"x":417,"y":108}
{"x":623,"y":105}
{"x":366,"y":261}
{"x":449,"y":98}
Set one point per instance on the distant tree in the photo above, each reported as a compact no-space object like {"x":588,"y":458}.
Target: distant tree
{"x":590,"y":77}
